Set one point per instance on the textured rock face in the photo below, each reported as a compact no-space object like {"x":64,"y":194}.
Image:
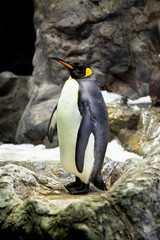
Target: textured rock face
{"x":28,"y":183}
{"x":13,"y":100}
{"x":119,"y":39}
{"x":140,"y":132}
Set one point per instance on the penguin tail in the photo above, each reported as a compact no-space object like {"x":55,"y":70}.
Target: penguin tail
{"x":99,"y":183}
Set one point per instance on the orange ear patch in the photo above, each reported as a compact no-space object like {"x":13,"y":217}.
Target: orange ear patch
{"x":67,"y":65}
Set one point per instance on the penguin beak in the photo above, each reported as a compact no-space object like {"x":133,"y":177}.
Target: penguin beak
{"x":66,"y":64}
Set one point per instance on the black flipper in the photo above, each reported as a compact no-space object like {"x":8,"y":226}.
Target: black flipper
{"x":52,"y":125}
{"x":84,"y":132}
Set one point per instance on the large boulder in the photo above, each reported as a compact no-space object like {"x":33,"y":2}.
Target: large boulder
{"x":139,"y":132}
{"x":28,"y":183}
{"x":136,"y":124}
{"x":33,"y":125}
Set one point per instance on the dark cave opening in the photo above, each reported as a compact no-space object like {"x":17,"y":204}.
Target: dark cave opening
{"x":17,"y":36}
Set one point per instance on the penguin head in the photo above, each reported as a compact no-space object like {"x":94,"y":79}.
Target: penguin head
{"x":77,"y":70}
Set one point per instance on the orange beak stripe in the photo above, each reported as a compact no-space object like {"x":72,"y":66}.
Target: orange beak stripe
{"x":67,"y":65}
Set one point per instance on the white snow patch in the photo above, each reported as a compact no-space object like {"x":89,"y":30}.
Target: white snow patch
{"x":117,"y":153}
{"x":110,"y":97}
{"x":29,"y":152}
{"x":145,"y":99}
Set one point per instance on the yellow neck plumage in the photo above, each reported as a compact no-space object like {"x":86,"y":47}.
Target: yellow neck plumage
{"x":88,"y":72}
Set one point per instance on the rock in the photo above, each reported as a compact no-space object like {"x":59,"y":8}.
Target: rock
{"x":117,"y":86}
{"x":122,"y":117}
{"x":145,"y":138}
{"x":152,"y":9}
{"x":135,"y":124}
{"x":154,"y":85}
{"x":113,"y":170}
{"x":142,"y":70}
{"x":33,"y":125}
{"x":129,"y":210}
{"x":28,"y":183}
{"x":37,"y":158}
{"x":119,"y":39}
{"x":13,"y":100}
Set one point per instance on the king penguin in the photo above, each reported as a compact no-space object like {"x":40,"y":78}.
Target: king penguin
{"x":83,"y":129}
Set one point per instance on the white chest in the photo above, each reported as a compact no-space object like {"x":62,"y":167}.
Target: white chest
{"x":68,"y":115}
{"x":68,"y":122}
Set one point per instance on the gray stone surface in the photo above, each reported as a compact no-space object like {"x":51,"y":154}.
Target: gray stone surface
{"x":119,"y":39}
{"x":33,"y":125}
{"x":13,"y":100}
{"x":143,"y":137}
{"x":27,"y":183}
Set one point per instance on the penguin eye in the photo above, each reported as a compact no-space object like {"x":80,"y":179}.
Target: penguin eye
{"x":79,"y":66}
{"x":80,"y":70}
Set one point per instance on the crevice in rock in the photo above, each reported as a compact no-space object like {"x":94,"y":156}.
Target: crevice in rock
{"x":117,"y":213}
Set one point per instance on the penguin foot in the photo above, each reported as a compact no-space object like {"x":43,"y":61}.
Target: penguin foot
{"x":99,"y":183}
{"x":75,"y":184}
{"x":83,"y":189}
{"x":77,"y":187}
